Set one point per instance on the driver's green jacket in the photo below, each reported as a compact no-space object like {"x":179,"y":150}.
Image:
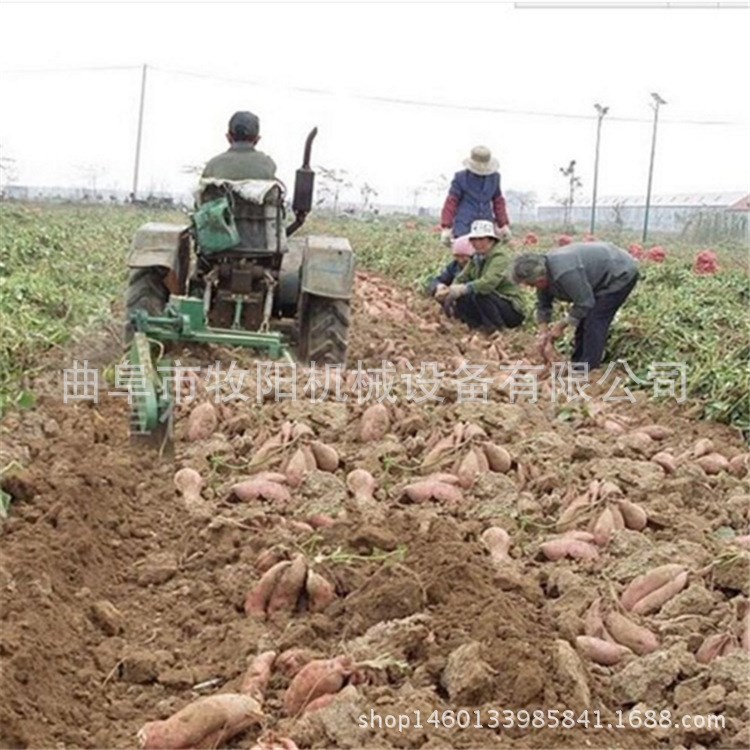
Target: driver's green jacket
{"x":241,"y":161}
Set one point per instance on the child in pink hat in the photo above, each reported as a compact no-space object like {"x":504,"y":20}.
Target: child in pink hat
{"x":462,"y":253}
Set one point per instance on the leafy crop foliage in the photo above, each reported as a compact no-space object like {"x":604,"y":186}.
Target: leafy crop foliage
{"x":63,"y":272}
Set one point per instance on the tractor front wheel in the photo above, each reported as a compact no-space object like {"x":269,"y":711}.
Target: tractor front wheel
{"x":324,"y":330}
{"x":146,"y":291}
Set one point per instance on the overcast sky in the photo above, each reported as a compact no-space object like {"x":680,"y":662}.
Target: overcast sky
{"x":62,"y":127}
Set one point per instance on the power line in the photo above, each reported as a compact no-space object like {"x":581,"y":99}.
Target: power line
{"x":443,"y":105}
{"x":89,"y":69}
{"x":401,"y":101}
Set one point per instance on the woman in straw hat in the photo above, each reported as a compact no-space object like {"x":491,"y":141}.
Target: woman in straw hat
{"x":474,"y":195}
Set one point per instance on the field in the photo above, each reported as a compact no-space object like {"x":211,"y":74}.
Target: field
{"x":123,"y":600}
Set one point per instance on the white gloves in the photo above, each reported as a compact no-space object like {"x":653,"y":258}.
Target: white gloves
{"x":457,"y":290}
{"x":446,"y":237}
{"x":441,"y":292}
{"x":504,"y":233}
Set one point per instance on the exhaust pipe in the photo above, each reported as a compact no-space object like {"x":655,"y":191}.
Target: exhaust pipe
{"x":304,"y":184}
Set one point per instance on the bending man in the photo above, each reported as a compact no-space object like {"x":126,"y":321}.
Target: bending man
{"x":596,"y":277}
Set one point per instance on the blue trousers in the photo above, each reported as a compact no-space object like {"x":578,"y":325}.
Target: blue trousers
{"x":591,"y":334}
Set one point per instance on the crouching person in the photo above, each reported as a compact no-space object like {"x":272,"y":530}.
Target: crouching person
{"x":483,"y":295}
{"x":462,"y":252}
{"x":596,"y":277}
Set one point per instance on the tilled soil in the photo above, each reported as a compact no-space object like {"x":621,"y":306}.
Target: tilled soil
{"x":120,"y":605}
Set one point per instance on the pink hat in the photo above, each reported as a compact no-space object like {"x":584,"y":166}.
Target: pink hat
{"x":462,"y":246}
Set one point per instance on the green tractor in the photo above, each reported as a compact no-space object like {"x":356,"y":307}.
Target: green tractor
{"x":233,"y":277}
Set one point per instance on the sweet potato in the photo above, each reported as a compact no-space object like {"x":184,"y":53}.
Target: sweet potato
{"x":255,"y":680}
{"x":255,"y":489}
{"x":320,"y":593}
{"x":604,"y":528}
{"x":739,"y":465}
{"x":702,"y":447}
{"x":498,"y":542}
{"x":458,"y":434}
{"x":189,"y":483}
{"x":498,"y":458}
{"x":202,"y":422}
{"x":647,"y":583}
{"x":601,"y":651}
{"x":268,"y":452}
{"x":319,"y":677}
{"x":300,"y":429}
{"x":666,"y":460}
{"x":321,"y":521}
{"x":712,"y":647}
{"x":289,"y":586}
{"x":468,"y":470}
{"x":257,"y":600}
{"x":557,"y":549}
{"x":473,"y":431}
{"x":608,"y":489}
{"x":653,"y":602}
{"x":322,"y":702}
{"x":270,"y":476}
{"x":593,"y":624}
{"x":634,"y":516}
{"x":326,"y":457}
{"x":375,"y":423}
{"x":290,"y":662}
{"x":713,"y":463}
{"x":482,"y":462}
{"x":627,"y":633}
{"x":617,"y":517}
{"x":443,"y":477}
{"x":437,"y":453}
{"x":656,"y":431}
{"x":742,"y":541}
{"x":573,"y":513}
{"x":268,"y":558}
{"x":582,"y":536}
{"x":296,"y":468}
{"x":272,"y":741}
{"x":424,"y":491}
{"x":613,"y":426}
{"x":204,"y":723}
{"x":361,"y":483}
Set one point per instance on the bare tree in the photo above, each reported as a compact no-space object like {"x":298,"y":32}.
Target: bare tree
{"x":520,"y":201}
{"x":331,"y":183}
{"x":367,"y":192}
{"x":91,"y":174}
{"x":8,"y":171}
{"x":574,"y":182}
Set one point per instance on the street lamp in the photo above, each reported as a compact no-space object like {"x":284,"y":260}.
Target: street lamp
{"x":658,"y":101}
{"x":600,"y":111}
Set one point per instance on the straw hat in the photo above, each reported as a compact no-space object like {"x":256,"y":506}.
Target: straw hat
{"x":481,"y":162}
{"x":482,"y":229}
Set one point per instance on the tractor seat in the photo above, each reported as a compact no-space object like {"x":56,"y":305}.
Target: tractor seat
{"x":258,"y":210}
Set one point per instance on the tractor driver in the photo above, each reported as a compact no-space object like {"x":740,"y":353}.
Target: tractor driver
{"x":241,"y":161}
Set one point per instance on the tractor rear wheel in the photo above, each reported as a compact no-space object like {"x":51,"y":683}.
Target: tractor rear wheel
{"x":146,"y":291}
{"x":324,"y":330}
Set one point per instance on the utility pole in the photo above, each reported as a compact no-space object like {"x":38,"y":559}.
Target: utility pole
{"x":601,"y":111}
{"x":140,"y":133}
{"x":658,"y":101}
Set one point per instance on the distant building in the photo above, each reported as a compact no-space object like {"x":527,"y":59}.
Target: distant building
{"x":668,"y":213}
